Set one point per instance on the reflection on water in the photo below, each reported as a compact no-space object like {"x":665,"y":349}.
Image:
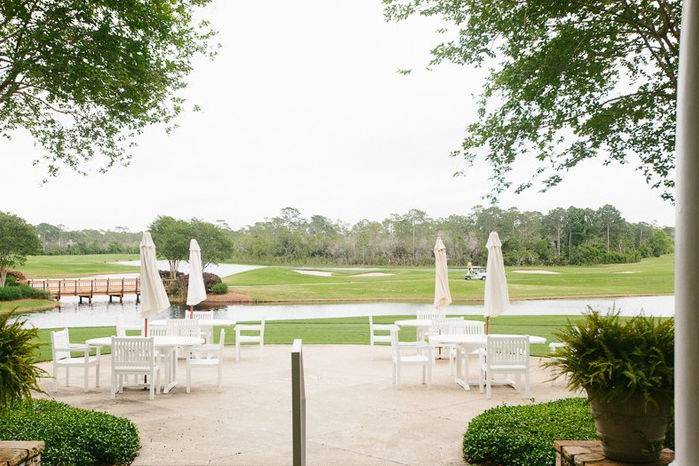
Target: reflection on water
{"x":101,"y":313}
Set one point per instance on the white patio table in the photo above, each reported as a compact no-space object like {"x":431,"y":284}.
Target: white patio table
{"x":468,"y":344}
{"x":168,"y":345}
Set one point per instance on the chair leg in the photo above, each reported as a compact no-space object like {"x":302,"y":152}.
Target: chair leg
{"x":85,"y":377}
{"x":189,"y":378}
{"x":220,"y":373}
{"x":97,"y":375}
{"x":397,"y":375}
{"x":262,"y":346}
{"x":488,"y":390}
{"x":429,"y":375}
{"x":526,"y":382}
{"x":424,"y":374}
{"x":151,"y":394}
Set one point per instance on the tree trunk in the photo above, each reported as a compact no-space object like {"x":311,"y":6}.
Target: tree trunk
{"x":173,"y":268}
{"x":3,"y":276}
{"x":607,"y":237}
{"x":558,"y":244}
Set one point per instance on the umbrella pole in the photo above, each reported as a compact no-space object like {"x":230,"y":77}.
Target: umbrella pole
{"x":145,"y":327}
{"x":487,"y":325}
{"x":191,"y":312}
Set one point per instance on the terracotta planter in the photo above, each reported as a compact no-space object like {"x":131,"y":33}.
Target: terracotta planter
{"x":631,"y":431}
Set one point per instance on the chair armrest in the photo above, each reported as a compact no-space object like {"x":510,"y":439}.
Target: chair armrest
{"x":386,"y":327}
{"x":248,"y":327}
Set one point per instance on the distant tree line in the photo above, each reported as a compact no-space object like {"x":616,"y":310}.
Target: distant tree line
{"x":561,"y":236}
{"x":56,"y":239}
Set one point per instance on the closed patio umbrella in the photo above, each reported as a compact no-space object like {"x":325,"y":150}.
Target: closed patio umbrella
{"x":496,"y":298}
{"x":154,"y":299}
{"x":196,"y":291}
{"x":442,"y":295}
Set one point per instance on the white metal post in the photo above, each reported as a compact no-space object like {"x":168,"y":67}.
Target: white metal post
{"x":687,"y":243}
{"x":298,"y":404}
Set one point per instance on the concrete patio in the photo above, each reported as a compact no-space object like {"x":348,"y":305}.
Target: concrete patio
{"x":354,"y":414}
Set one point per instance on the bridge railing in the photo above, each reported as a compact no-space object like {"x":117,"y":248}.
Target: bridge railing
{"x":94,"y":286}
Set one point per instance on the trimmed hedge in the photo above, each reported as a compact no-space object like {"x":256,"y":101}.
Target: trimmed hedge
{"x":11,"y":293}
{"x":73,"y":436}
{"x":524,"y":435}
{"x":219,"y":288}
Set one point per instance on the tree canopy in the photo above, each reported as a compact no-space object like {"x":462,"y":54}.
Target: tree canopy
{"x":18,"y":239}
{"x":567,"y":81}
{"x":84,"y":77}
{"x":561,"y":236}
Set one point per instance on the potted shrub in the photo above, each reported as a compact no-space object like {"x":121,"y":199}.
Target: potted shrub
{"x":18,"y":349}
{"x":626,"y":366}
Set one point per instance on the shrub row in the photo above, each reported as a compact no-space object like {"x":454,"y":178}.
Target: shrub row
{"x":10,"y":293}
{"x":73,"y":436}
{"x":524,"y":435}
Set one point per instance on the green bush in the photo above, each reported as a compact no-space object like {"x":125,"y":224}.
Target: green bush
{"x":616,"y":358}
{"x":73,"y":436}
{"x":18,"y":350}
{"x":11,"y":293}
{"x":524,"y":435}
{"x":219,"y":288}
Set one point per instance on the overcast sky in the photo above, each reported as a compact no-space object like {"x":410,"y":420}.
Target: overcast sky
{"x":303,"y":107}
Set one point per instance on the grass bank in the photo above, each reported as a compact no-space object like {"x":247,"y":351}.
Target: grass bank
{"x":24,"y":306}
{"x":346,"y":330}
{"x":283,"y":284}
{"x":76,"y":266}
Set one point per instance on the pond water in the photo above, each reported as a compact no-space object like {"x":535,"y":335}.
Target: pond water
{"x":102,"y":313}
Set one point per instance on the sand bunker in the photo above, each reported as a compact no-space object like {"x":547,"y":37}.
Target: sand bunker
{"x":537,"y":272}
{"x":315,"y":273}
{"x":373,"y":274}
{"x":625,"y":272}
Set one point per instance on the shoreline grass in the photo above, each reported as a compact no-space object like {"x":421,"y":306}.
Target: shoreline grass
{"x":345,"y":330}
{"x":26,"y":306}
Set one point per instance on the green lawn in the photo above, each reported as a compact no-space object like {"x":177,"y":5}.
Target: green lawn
{"x":349,"y":330}
{"x":27,"y":305}
{"x":648,"y":277}
{"x":75,"y":266}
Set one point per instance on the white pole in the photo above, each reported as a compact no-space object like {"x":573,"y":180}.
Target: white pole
{"x":687,"y":243}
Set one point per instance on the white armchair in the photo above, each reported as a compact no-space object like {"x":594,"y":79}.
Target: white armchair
{"x":207,"y":331}
{"x":62,"y":350}
{"x":255,"y":333}
{"x":209,"y":355}
{"x":505,"y":355}
{"x":134,"y":356}
{"x":418,"y":353}
{"x":379,"y":333}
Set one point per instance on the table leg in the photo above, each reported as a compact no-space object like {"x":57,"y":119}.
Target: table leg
{"x":460,"y":380}
{"x":170,"y":367}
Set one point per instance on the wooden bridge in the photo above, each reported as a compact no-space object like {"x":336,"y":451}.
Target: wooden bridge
{"x":87,"y":288}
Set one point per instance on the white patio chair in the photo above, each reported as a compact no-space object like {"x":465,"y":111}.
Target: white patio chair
{"x":429,"y":314}
{"x":183,"y":328}
{"x":157,"y":330}
{"x":506,"y":355}
{"x":420,"y":354}
{"x":258,"y":336}
{"x":381,"y":338}
{"x":134,"y":356}
{"x":208,"y":331}
{"x":209,"y":355}
{"x":460,"y":326}
{"x":61,"y":349}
